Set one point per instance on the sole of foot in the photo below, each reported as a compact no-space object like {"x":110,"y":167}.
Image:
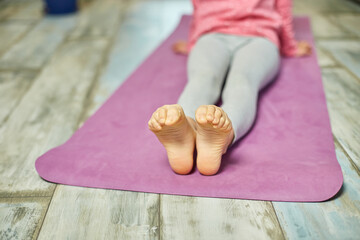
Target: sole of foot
{"x":176,"y":133}
{"x":214,"y":135}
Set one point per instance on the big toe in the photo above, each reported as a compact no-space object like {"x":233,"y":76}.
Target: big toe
{"x":174,"y":114}
{"x":205,"y":114}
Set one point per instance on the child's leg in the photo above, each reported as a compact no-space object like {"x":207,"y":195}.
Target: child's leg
{"x":254,"y":64}
{"x":207,"y":65}
{"x":253,"y":67}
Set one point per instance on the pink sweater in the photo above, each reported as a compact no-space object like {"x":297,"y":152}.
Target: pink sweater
{"x":271,"y":19}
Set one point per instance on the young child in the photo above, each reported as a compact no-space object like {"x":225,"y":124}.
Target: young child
{"x":244,"y":38}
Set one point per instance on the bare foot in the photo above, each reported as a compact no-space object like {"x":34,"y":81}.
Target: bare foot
{"x":176,"y":132}
{"x":214,"y":135}
{"x":303,"y":49}
{"x":180,"y":47}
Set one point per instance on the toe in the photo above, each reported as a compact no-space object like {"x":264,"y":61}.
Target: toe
{"x":226,"y":124}
{"x":200,"y":114}
{"x":150,"y":125}
{"x":217,"y":116}
{"x":161,"y":115}
{"x":154,"y":125}
{"x":156,"y":115}
{"x":228,"y":128}
{"x":221,"y":122}
{"x":173,"y":115}
{"x":150,"y":121}
{"x":210,"y":113}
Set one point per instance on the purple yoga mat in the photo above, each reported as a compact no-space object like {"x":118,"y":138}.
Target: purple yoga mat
{"x":288,"y":155}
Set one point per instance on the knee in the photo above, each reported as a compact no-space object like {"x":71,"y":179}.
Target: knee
{"x":244,"y":90}
{"x":239,"y":83}
{"x":204,"y":78}
{"x":203,"y":89}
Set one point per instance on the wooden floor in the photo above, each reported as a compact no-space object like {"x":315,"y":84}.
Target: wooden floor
{"x":56,"y":71}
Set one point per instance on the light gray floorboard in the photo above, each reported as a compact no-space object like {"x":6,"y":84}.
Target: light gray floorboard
{"x":324,"y":59}
{"x":342,"y":94}
{"x":214,"y":218}
{"x":309,"y":7}
{"x":47,"y":116}
{"x":98,"y":18}
{"x":346,"y":52}
{"x":21,"y":218}
{"x":28,"y":10}
{"x":83,"y":213}
{"x":324,"y":28}
{"x":38,"y":45}
{"x":349,"y":22}
{"x":13,"y":85}
{"x":10,"y":33}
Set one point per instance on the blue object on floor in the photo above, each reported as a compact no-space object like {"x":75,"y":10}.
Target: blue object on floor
{"x":60,"y":6}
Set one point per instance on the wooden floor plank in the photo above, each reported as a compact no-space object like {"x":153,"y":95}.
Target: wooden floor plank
{"x":335,"y":219}
{"x":350,"y":22}
{"x":20,"y":218}
{"x":47,"y":116}
{"x":98,"y":18}
{"x":38,"y":45}
{"x":214,"y":218}
{"x":309,"y":7}
{"x":324,"y":59}
{"x":13,"y":32}
{"x":346,"y":52}
{"x":83,"y":213}
{"x":343,"y":101}
{"x":13,"y":85}
{"x":323,"y":27}
{"x":30,"y":10}
{"x":6,"y":10}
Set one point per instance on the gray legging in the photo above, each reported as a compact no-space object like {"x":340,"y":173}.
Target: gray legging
{"x":252,"y":63}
